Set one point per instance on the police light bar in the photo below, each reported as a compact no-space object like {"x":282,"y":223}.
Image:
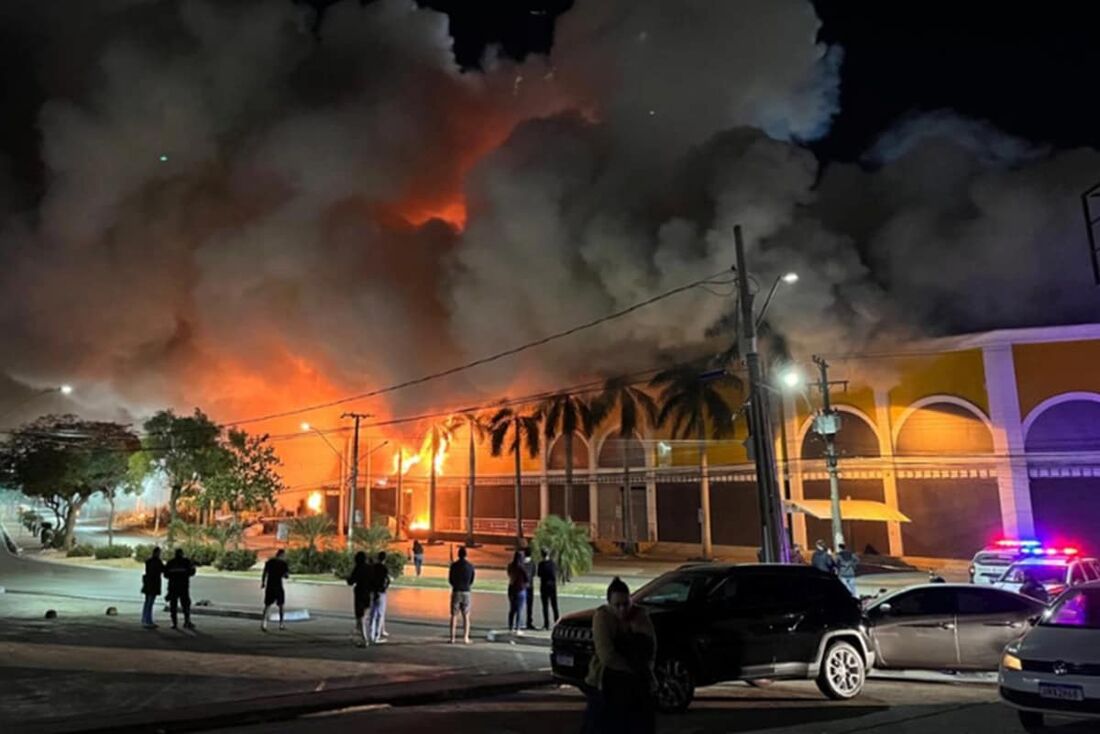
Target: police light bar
{"x":1023,"y":544}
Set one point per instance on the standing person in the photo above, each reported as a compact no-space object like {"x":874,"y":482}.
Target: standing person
{"x":461,"y":577}
{"x":822,"y":560}
{"x":418,"y":557}
{"x":275,"y":570}
{"x":796,"y":555}
{"x":1031,"y":587}
{"x":179,"y":571}
{"x":846,"y":562}
{"x":517,"y":593}
{"x":620,"y":675}
{"x":529,"y":592}
{"x":547,"y":572}
{"x":380,"y":582}
{"x":361,"y":577}
{"x":150,"y":587}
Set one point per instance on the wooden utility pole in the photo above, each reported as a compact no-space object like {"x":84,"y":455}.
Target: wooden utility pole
{"x":353,"y":480}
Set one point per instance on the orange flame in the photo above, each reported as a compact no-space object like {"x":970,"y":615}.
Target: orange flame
{"x":403,"y":465}
{"x":420,"y":523}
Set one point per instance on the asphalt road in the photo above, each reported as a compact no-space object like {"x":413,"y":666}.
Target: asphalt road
{"x":784,"y":708}
{"x":22,"y":574}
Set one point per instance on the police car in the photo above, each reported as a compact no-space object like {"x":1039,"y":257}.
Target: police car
{"x":991,"y":562}
{"x":1057,"y":569}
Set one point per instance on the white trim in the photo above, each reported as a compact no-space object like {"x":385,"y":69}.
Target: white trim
{"x":1008,"y":337}
{"x":843,"y":408}
{"x":1066,"y":397}
{"x":603,"y":441}
{"x":932,"y":400}
{"x":550,"y":450}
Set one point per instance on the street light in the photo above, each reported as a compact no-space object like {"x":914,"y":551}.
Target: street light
{"x":63,"y":389}
{"x":790,"y":377}
{"x":307,"y":428}
{"x":790,"y":279}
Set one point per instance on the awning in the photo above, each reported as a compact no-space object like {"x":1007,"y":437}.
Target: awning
{"x":849,"y":510}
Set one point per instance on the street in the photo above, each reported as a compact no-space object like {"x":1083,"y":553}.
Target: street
{"x":783,"y":708}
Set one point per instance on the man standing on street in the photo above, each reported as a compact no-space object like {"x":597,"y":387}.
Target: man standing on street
{"x":529,"y":569}
{"x":846,"y":562}
{"x":418,"y":557}
{"x":380,"y":582}
{"x":150,"y":587}
{"x":548,"y":588}
{"x":361,"y":578}
{"x":461,"y":577}
{"x":275,"y":570}
{"x":179,"y":571}
{"x":821,"y":560}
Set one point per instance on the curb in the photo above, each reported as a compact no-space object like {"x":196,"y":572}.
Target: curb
{"x":455,"y":687}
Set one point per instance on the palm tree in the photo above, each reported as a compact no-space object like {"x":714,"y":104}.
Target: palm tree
{"x":478,"y":426}
{"x":636,"y":409}
{"x":694,"y":404}
{"x":524,"y":430}
{"x":567,"y":415}
{"x":438,"y":436}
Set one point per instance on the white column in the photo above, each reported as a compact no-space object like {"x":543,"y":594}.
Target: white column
{"x":1008,"y":441}
{"x":544,"y":484}
{"x":885,"y":429}
{"x":649,"y":451}
{"x":593,"y":494}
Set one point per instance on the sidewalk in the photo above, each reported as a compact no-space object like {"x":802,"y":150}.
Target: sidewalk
{"x":86,"y":667}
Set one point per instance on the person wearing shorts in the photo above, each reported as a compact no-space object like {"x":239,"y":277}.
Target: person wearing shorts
{"x":461,"y":577}
{"x":271,"y":581}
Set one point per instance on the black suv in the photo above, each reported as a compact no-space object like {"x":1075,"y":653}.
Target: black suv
{"x":719,"y":623}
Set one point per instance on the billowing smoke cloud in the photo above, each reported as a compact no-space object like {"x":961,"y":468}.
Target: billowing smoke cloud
{"x":238,"y":216}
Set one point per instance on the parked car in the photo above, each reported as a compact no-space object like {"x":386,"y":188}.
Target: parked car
{"x":947,"y":626}
{"x":1055,"y":668}
{"x":1055,"y":573}
{"x":719,"y":623}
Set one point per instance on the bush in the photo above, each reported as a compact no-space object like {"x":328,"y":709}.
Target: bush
{"x":143,"y":552}
{"x":311,"y":560}
{"x":236,"y":560}
{"x":568,"y":545}
{"x":395,"y":564}
{"x":201,"y":554}
{"x":113,"y":551}
{"x":81,"y":550}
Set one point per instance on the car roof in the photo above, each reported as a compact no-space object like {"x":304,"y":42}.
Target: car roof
{"x":792,"y":569}
{"x":958,"y":587}
{"x":1049,"y":561}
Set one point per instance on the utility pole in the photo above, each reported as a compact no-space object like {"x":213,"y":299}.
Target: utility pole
{"x":400,"y":491}
{"x":773,"y":542}
{"x":353,"y":481}
{"x":826,"y":425}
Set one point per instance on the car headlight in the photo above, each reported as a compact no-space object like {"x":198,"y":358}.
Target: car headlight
{"x":1011,"y":662}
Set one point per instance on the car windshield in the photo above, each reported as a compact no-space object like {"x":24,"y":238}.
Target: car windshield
{"x":1043,"y":573}
{"x":674,"y":588}
{"x":1078,"y":608}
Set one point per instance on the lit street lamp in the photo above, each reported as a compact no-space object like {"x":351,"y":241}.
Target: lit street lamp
{"x":307,"y":428}
{"x":63,"y":389}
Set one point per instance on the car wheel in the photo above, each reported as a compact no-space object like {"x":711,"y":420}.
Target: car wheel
{"x":842,"y":672}
{"x":1032,"y":721}
{"x":675,"y":686}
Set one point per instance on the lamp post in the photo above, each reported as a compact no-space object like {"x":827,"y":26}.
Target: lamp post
{"x":367,"y":500}
{"x":65,"y":390}
{"x":307,"y":428}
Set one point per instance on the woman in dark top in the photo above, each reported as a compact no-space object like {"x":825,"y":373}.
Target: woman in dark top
{"x":150,"y":587}
{"x":362,"y":577}
{"x":517,"y":593}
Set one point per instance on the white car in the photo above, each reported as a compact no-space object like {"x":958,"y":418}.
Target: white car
{"x":1055,"y":668}
{"x":991,"y":562}
{"x":1055,"y":573}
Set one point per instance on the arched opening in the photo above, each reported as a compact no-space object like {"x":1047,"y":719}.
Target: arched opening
{"x":1063,"y":447}
{"x":613,"y":494}
{"x":945,"y":482}
{"x":857,"y":439}
{"x":555,"y":465}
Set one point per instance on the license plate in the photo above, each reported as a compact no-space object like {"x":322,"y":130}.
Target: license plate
{"x":564,"y":659}
{"x":1061,"y":693}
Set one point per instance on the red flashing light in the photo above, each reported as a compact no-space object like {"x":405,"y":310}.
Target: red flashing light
{"x":1070,"y":551}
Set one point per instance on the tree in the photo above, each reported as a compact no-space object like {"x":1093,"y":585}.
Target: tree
{"x":694,"y":405}
{"x":636,"y":409}
{"x":131,"y":483}
{"x":186,"y":449}
{"x":478,"y":426}
{"x":438,"y":436}
{"x":568,"y":544}
{"x":64,"y":460}
{"x":566,"y":416}
{"x":311,"y":528}
{"x":244,"y":476}
{"x":226,"y":534}
{"x":524,"y":432}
